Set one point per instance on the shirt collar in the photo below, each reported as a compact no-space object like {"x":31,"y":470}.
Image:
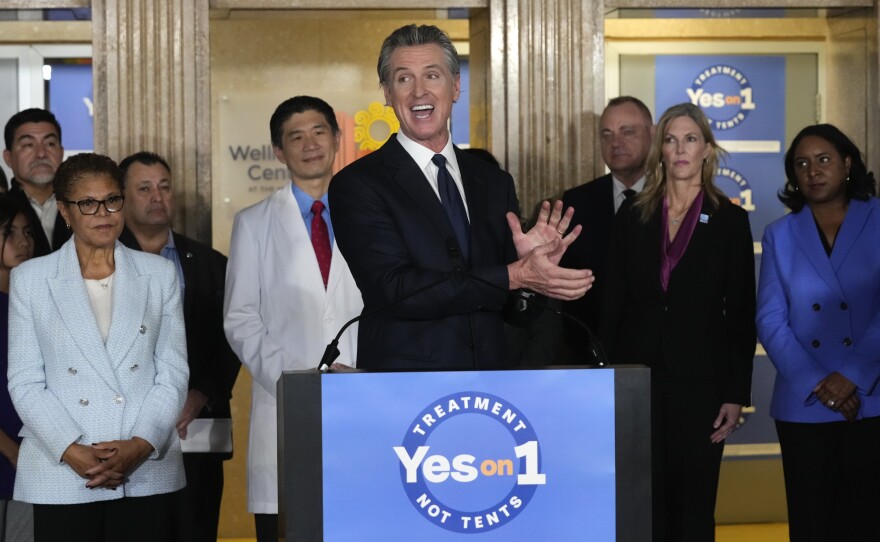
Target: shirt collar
{"x":170,"y":244}
{"x":619,"y":187}
{"x":304,"y":201}
{"x":423,"y":155}
{"x":48,"y":205}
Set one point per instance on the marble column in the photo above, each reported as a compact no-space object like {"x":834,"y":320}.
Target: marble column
{"x":546,"y":92}
{"x":152,"y":92}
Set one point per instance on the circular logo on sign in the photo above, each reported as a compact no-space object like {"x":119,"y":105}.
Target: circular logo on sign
{"x":741,"y":194}
{"x":725,"y":95}
{"x":470,"y":462}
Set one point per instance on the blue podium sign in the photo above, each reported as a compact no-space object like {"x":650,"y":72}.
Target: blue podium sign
{"x":491,"y":456}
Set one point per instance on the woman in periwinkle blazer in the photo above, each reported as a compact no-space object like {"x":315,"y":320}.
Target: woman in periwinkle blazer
{"x":97,"y":373}
{"x":819,"y":320}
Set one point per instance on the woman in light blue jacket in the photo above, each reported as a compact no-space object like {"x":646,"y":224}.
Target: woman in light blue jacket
{"x":819,"y":321}
{"x":97,"y":372}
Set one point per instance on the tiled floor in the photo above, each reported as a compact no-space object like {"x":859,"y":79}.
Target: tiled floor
{"x":764,"y":532}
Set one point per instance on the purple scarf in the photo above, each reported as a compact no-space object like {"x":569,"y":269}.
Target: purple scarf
{"x":672,"y":251}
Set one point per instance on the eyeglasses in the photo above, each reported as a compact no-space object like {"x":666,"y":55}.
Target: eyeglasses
{"x":90,"y":206}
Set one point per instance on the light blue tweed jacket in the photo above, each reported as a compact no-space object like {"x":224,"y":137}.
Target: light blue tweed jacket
{"x":69,"y":386}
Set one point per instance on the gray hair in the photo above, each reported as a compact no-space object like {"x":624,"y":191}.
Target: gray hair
{"x":412,"y":35}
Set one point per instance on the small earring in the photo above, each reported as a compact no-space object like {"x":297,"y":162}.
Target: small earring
{"x":67,"y":224}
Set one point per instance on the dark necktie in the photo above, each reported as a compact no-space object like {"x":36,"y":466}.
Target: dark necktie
{"x":629,"y":193}
{"x":452,"y":203}
{"x":321,"y":240}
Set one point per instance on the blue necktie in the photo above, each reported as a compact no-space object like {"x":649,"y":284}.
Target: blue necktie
{"x":452,"y":203}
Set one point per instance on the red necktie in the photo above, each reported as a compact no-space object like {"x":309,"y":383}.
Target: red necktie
{"x":321,"y":240}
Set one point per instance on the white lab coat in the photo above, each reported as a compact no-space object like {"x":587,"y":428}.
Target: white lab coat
{"x":278,"y":317}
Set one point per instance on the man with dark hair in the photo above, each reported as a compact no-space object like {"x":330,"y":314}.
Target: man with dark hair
{"x":213,"y":367}
{"x":288,"y":289}
{"x":34,"y":152}
{"x":420,"y":213}
{"x":625,"y":130}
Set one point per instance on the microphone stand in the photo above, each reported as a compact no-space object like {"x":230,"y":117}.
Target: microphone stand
{"x":596,"y":351}
{"x":332,"y":350}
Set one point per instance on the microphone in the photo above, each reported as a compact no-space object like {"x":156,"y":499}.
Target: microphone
{"x":332,"y":350}
{"x":594,"y":346}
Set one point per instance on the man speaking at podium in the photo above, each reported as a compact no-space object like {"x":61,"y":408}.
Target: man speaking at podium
{"x":418,"y":215}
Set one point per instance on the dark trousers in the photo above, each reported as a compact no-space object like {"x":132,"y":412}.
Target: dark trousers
{"x":130,"y":519}
{"x":685,"y":463}
{"x":832,"y":479}
{"x":267,"y":527}
{"x":199,"y":501}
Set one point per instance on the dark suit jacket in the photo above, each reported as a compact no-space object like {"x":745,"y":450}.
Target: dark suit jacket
{"x":41,"y":242}
{"x":213,"y":367}
{"x":396,"y":238}
{"x":593,"y":204}
{"x":703,"y":327}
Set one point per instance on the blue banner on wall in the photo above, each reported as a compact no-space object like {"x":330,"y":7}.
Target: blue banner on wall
{"x":744,"y":98}
{"x":459,"y":455}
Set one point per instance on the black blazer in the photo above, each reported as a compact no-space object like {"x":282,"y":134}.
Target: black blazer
{"x":396,"y":238}
{"x":703,"y":327}
{"x":42,"y":246}
{"x":593,"y":204}
{"x":213,"y":367}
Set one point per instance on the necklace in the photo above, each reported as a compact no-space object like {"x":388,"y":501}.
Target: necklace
{"x":105,"y":283}
{"x":676,"y":220}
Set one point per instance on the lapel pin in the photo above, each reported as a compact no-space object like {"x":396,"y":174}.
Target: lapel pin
{"x":189,"y":255}
{"x":704,"y":218}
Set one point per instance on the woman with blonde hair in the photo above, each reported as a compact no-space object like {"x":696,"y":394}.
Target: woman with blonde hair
{"x":680,"y":299}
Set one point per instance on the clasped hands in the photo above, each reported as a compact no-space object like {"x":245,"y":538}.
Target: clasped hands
{"x":838,"y":393}
{"x":106,"y":464}
{"x":539,"y":251}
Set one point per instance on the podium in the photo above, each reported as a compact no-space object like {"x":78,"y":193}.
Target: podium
{"x":559,"y":454}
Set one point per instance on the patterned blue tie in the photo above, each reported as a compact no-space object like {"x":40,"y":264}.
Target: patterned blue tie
{"x":452,"y":203}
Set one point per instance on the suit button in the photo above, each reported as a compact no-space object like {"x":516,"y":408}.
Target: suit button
{"x":816,"y":307}
{"x":843,"y":306}
{"x":815,"y":343}
{"x":71,"y":370}
{"x":134,"y":367}
{"x":847,"y":342}
{"x":118,"y":399}
{"x":665,"y":308}
{"x":143,"y":329}
{"x":84,"y":402}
